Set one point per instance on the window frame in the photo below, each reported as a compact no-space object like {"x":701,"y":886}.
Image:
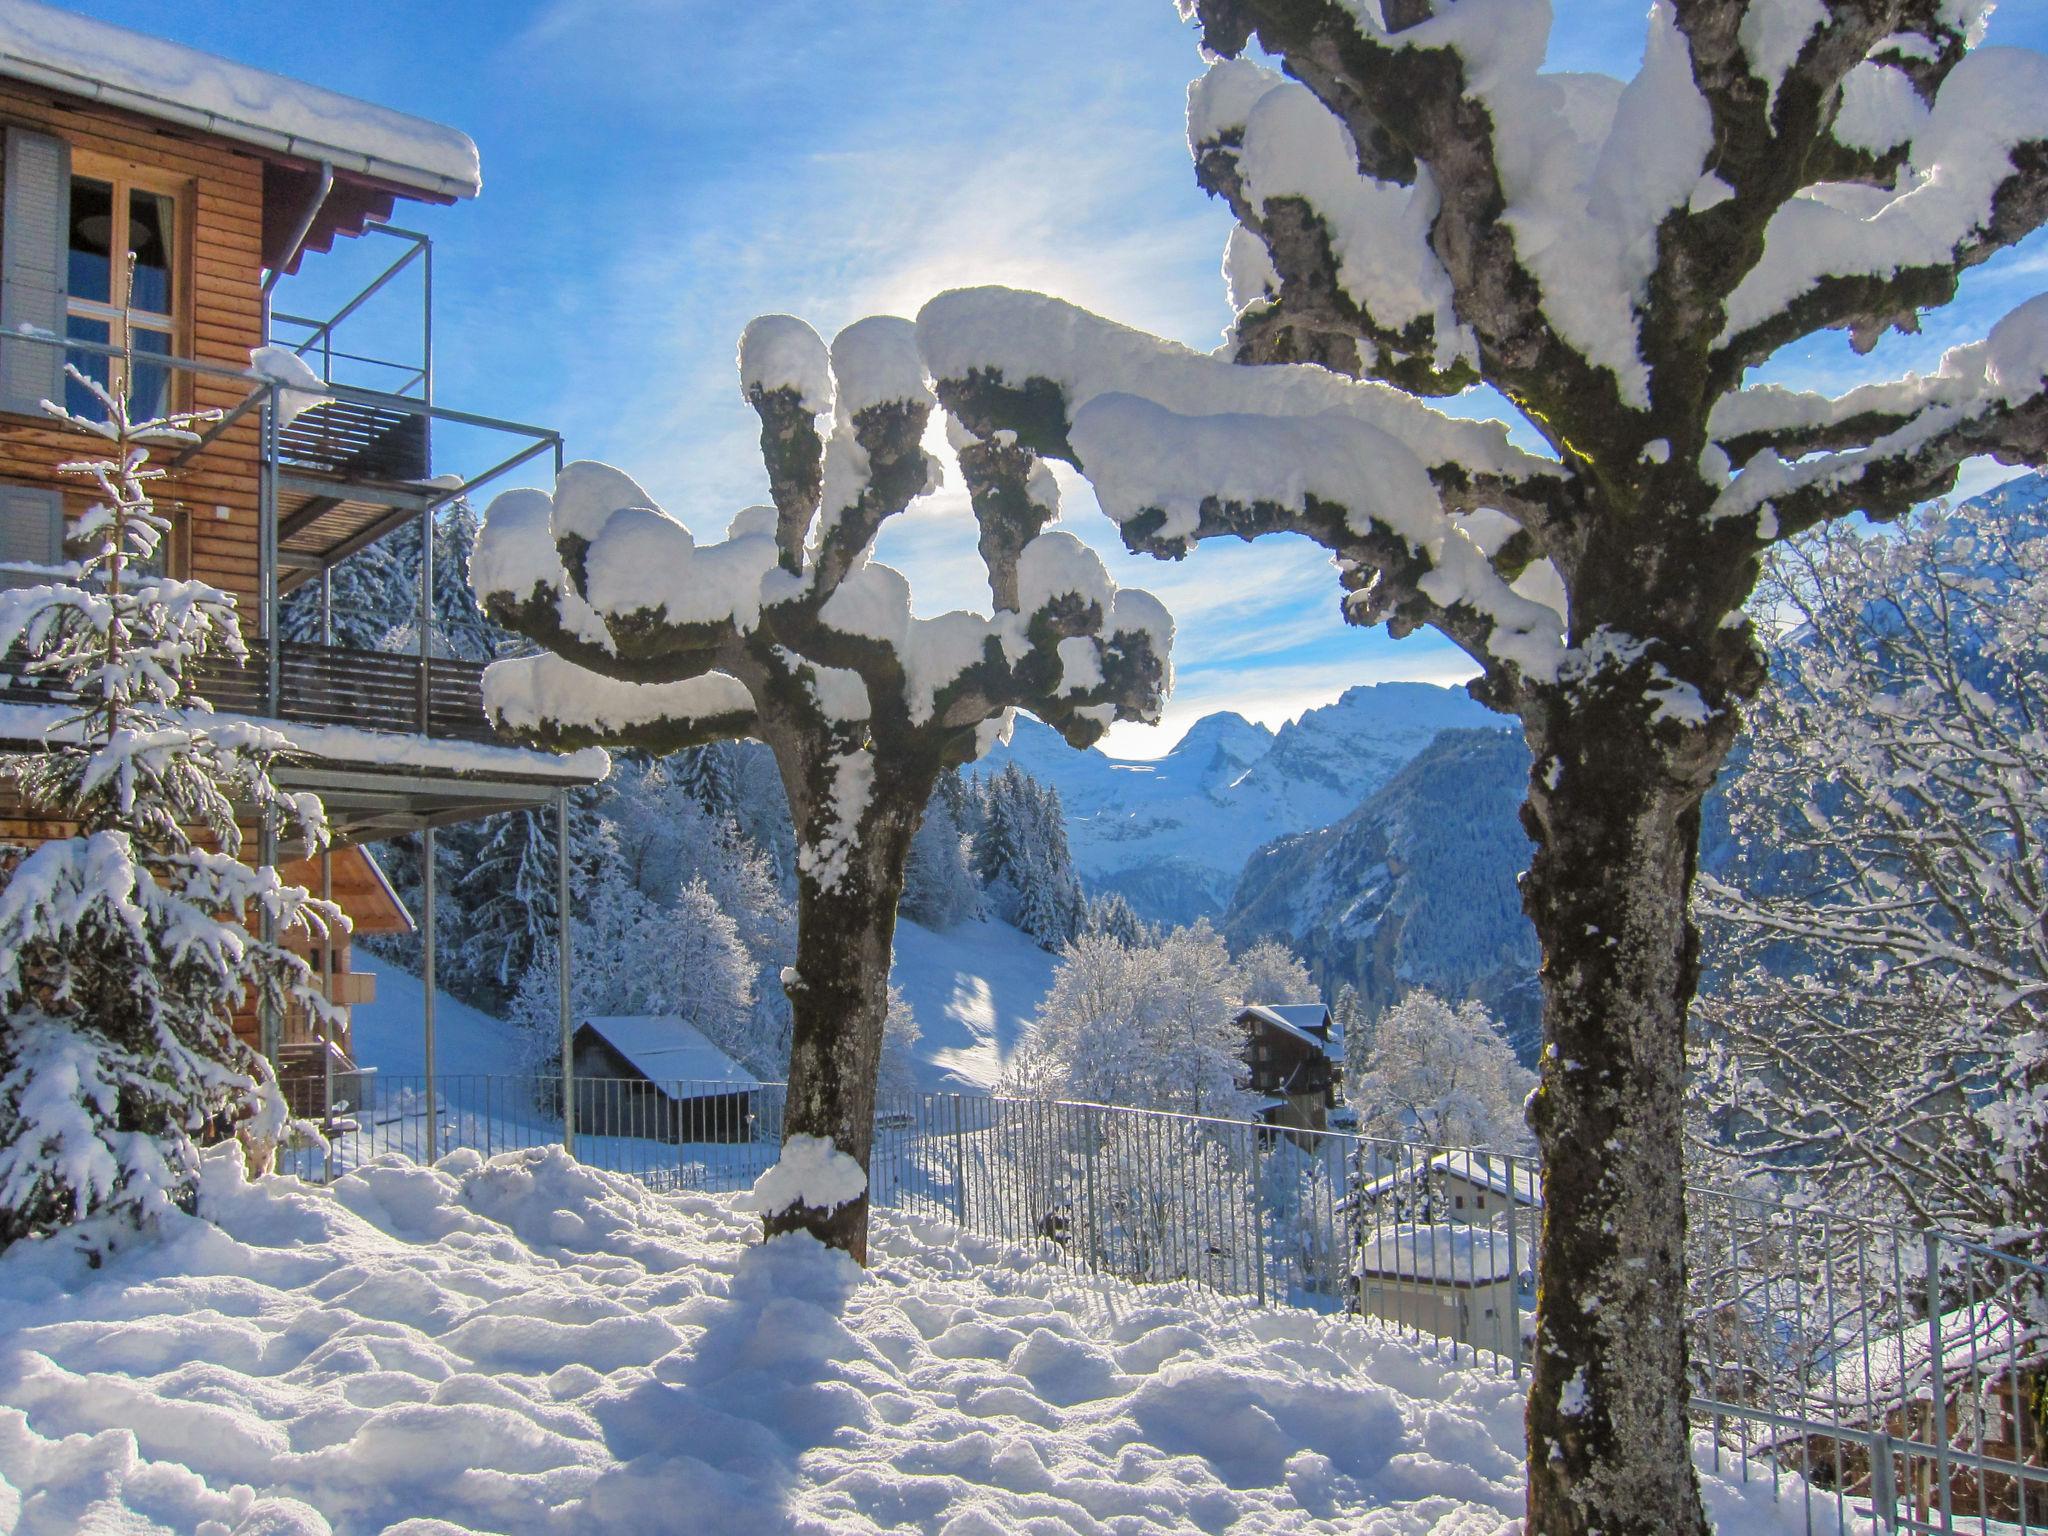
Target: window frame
{"x":127,"y":177}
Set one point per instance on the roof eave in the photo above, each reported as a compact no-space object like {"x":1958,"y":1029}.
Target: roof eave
{"x":429,"y":183}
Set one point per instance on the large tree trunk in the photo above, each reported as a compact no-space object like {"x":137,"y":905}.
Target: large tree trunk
{"x":839,"y":1001}
{"x":1615,"y":812}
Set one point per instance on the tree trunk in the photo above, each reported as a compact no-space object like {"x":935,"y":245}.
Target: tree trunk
{"x":1614,"y":809}
{"x":839,"y":1001}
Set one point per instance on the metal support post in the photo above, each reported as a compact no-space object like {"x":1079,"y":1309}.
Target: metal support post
{"x":426,"y":609}
{"x":1937,"y":1385}
{"x":1258,"y":1213}
{"x":427,"y":851}
{"x":327,"y":605}
{"x":562,"y":970}
{"x":266,"y":546}
{"x":1514,"y":1268}
{"x":269,"y":1025}
{"x":327,"y":1029}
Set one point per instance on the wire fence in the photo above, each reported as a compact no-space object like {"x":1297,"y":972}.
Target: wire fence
{"x":1901,"y":1375}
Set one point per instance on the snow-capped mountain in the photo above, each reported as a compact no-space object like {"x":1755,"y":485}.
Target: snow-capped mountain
{"x":1416,"y":887}
{"x":1173,"y":833}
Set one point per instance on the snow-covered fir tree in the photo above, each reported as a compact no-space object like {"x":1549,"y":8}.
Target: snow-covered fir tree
{"x":1022,"y":859}
{"x":123,"y":955}
{"x":789,"y":632}
{"x":1420,"y":208}
{"x":1111,"y":915}
{"x":1879,"y":1018}
{"x":939,"y":888}
{"x":1442,"y":1075}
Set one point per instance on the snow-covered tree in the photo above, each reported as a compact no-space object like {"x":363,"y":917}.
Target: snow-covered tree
{"x":1022,"y":859}
{"x":1111,"y":915}
{"x":1442,"y":1075}
{"x":939,"y":889}
{"x":1881,"y":1019}
{"x":1151,"y":1026}
{"x":633,"y":954}
{"x":897,"y":1080}
{"x":1269,"y":972}
{"x":788,"y":631}
{"x":1422,"y":208}
{"x":123,"y":950}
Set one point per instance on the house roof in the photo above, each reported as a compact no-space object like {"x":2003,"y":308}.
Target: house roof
{"x":1308,"y":1022}
{"x":167,"y":81}
{"x":668,"y":1050}
{"x":1482,"y":1169}
{"x":1443,"y":1254}
{"x":360,"y":890}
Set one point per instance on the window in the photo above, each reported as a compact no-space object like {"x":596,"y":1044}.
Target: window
{"x":1481,"y":1201}
{"x":116,"y":211}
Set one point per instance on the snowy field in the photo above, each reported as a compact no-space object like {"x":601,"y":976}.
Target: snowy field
{"x":526,"y":1345}
{"x":973,"y":989}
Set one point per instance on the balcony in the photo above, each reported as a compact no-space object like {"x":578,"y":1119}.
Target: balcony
{"x":321,"y":685}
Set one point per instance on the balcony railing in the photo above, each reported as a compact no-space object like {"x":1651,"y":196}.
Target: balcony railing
{"x":321,"y":685}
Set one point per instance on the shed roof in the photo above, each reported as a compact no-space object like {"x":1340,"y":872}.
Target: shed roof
{"x":668,"y":1050}
{"x":1482,"y":1169}
{"x":1444,"y":1253}
{"x":171,"y":82}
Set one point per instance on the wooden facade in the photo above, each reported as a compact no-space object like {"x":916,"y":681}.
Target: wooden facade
{"x":214,"y":499}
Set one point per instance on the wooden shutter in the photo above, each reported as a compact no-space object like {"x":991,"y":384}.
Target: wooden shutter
{"x":31,"y":529}
{"x":34,"y":254}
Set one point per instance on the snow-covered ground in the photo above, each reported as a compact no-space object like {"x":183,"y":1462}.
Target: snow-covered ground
{"x":973,"y":989}
{"x":527,"y":1345}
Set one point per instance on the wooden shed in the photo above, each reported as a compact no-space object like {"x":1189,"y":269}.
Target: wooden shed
{"x":657,"y":1077}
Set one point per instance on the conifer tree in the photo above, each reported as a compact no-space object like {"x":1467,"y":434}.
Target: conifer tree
{"x":127,"y":947}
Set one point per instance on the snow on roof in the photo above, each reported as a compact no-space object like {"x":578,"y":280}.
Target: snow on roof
{"x":1305,"y":1021}
{"x":43,"y":723}
{"x":170,"y":82}
{"x":1446,"y":1253}
{"x":1482,"y":1169}
{"x":665,"y":1049}
{"x":1978,"y":1342}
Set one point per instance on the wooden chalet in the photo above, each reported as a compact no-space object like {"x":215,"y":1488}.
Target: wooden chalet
{"x":1294,"y":1056}
{"x":221,"y":180}
{"x":657,"y":1077}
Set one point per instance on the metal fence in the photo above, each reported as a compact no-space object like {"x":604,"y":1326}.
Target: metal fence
{"x":1902,"y":1375}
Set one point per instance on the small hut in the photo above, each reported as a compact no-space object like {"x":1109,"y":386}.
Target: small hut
{"x":656,"y":1077}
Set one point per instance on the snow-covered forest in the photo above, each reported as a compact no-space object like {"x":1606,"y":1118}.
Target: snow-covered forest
{"x":645,"y":977}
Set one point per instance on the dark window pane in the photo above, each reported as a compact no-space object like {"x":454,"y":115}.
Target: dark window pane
{"x":77,"y":398}
{"x":92,"y":235}
{"x":150,"y":393}
{"x":150,"y":226}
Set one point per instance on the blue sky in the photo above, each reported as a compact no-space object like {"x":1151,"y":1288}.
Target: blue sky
{"x":656,"y":172}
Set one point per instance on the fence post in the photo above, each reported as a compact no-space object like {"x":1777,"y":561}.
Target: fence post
{"x":1884,"y":1491}
{"x":1514,"y":1268}
{"x":1937,"y":1385}
{"x":1090,"y":1155}
{"x":959,"y":1167}
{"x":1258,"y":1213}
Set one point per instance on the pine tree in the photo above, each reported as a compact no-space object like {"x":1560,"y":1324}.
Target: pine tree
{"x":123,"y":954}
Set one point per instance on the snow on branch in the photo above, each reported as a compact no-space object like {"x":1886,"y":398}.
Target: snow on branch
{"x":1181,"y":447}
{"x":548,"y":699}
{"x":1883,"y":447}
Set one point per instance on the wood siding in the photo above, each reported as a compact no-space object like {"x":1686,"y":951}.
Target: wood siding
{"x":220,"y":266}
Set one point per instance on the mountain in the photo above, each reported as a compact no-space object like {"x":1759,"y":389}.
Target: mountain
{"x":1173,"y":833}
{"x":1416,"y":887}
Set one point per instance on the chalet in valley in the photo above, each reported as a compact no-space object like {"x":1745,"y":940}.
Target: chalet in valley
{"x":154,"y":200}
{"x":1295,"y":1056}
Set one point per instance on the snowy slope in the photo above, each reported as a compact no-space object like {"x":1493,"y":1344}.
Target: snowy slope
{"x":531,"y":1347}
{"x":1173,"y":833}
{"x":973,"y":989}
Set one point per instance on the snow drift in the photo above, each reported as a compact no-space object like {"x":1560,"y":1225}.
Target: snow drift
{"x":527,"y":1345}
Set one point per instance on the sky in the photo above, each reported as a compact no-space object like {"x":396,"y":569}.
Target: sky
{"x":657,"y":172}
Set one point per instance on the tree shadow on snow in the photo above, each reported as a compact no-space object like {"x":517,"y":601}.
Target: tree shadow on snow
{"x":714,"y":1437}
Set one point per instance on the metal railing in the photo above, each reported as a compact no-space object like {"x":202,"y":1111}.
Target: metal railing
{"x":1875,"y":1373}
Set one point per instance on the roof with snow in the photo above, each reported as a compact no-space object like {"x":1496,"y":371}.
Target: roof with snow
{"x":1308,"y":1022}
{"x":1482,"y":1169}
{"x":665,"y":1049}
{"x":167,"y":81}
{"x":1442,"y":1254}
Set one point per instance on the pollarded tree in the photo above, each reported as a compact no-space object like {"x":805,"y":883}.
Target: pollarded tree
{"x":1420,"y":209}
{"x":789,"y":632}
